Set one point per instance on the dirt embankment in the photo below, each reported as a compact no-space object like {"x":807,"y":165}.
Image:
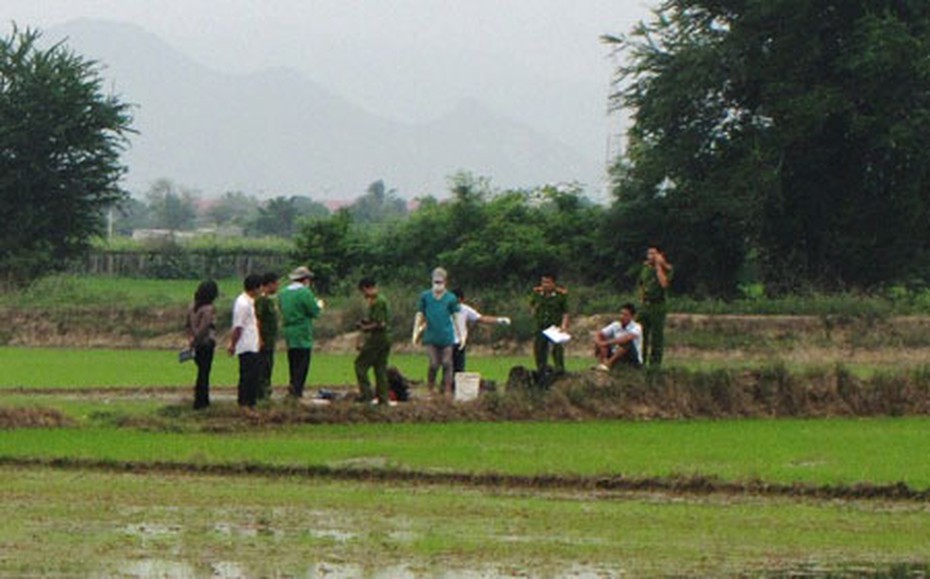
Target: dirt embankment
{"x":12,"y":418}
{"x":122,"y":327}
{"x":94,"y":327}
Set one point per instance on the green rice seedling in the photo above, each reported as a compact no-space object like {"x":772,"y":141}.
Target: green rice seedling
{"x":817,"y":452}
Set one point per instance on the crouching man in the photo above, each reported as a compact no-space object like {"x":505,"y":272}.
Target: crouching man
{"x":620,"y":343}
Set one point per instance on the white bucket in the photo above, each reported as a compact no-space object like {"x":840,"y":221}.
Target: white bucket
{"x":467,"y":385}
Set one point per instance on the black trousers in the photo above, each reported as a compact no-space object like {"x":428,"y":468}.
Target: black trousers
{"x":298,"y":361}
{"x":264,"y":386}
{"x":629,"y":358}
{"x":458,"y":359}
{"x":203,"y":357}
{"x":250,"y":375}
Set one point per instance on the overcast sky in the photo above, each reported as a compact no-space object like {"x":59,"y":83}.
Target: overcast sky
{"x":403,"y":59}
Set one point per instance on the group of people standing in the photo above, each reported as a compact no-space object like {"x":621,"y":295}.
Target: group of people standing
{"x":263,"y":312}
{"x":260,"y":314}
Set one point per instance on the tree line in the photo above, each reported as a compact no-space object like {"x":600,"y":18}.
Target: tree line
{"x":785,"y":142}
{"x":784,"y":139}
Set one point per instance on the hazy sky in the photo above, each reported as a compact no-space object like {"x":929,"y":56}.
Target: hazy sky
{"x":538,"y":61}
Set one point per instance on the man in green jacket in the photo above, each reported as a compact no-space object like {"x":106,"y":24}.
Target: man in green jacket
{"x":299,"y":308}
{"x":376,"y":347}
{"x":266,"y":310}
{"x":654,"y":279}
{"x":549,"y":304}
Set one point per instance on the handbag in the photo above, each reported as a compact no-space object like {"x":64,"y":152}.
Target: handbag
{"x":185,"y":355}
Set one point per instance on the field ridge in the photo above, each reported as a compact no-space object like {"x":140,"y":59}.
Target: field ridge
{"x":600,"y":486}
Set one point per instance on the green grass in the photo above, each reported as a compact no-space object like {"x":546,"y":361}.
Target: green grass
{"x":879,"y":451}
{"x":95,"y":368}
{"x":59,"y":522}
{"x":104,"y":368}
{"x":65,"y":291}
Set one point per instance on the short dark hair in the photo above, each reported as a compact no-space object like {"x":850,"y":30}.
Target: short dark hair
{"x":656,"y":246}
{"x":270,"y":277}
{"x":457,"y":292}
{"x":252,"y":281}
{"x":367,"y":282}
{"x":550,"y":274}
{"x":630,"y":307}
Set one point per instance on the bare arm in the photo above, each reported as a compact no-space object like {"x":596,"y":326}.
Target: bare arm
{"x":602,"y":340}
{"x":233,"y":340}
{"x":662,"y":269}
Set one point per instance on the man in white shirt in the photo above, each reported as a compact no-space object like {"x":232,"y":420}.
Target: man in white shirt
{"x":471,"y":316}
{"x":620,"y":342}
{"x":245,"y":343}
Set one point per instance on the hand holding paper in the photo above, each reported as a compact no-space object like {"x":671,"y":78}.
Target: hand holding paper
{"x":557,"y":335}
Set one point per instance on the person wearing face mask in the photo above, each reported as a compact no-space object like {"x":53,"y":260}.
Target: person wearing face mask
{"x":438,"y":315}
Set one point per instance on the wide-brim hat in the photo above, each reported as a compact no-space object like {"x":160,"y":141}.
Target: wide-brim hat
{"x":300,"y":273}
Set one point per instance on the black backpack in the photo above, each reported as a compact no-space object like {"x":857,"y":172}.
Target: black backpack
{"x":400,"y":387}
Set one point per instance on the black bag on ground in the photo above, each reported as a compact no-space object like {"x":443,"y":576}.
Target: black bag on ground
{"x":400,"y":387}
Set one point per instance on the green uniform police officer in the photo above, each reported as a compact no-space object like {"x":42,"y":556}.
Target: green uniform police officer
{"x":376,"y":344}
{"x":654,"y":279}
{"x":549,"y":303}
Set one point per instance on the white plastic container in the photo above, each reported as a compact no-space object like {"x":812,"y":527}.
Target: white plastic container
{"x":467,"y":386}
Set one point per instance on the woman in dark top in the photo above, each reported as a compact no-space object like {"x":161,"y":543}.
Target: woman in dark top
{"x":201,"y":334}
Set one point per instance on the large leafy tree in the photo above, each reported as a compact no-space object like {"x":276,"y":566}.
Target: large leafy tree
{"x":378,"y":205}
{"x":171,"y":206}
{"x":232,"y":208}
{"x":60,"y":141}
{"x":795,"y":130}
{"x":330,"y":248}
{"x":281,"y":216}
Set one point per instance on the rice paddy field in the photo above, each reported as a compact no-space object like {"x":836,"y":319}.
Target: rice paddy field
{"x":106,"y":471}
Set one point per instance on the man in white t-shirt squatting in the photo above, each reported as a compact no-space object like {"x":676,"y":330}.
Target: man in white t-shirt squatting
{"x":472,"y":317}
{"x":620,"y":342}
{"x":245,"y":342}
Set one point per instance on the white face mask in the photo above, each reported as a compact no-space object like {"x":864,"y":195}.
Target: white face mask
{"x":439,"y":286}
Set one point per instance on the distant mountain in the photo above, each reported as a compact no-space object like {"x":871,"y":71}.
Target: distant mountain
{"x":278,"y":132}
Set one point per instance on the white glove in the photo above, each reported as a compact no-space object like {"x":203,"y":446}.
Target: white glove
{"x":503,"y":321}
{"x":320,"y":304}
